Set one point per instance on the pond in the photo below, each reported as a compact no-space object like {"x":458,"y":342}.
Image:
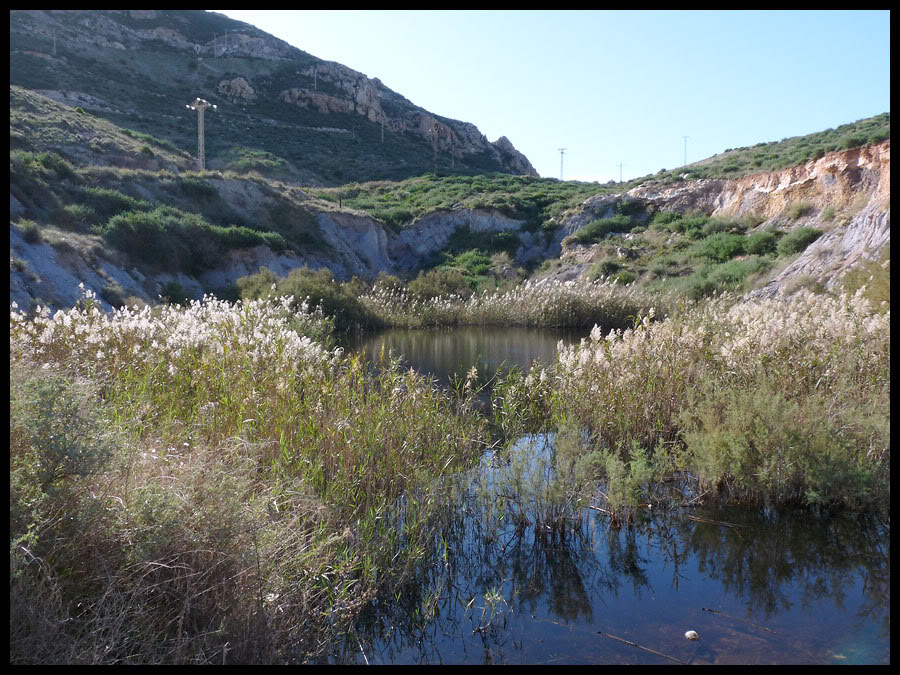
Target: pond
{"x":452,"y":352}
{"x":757,"y":586}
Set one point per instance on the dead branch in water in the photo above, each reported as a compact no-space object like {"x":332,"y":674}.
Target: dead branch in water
{"x":646,"y":649}
{"x":736,"y":618}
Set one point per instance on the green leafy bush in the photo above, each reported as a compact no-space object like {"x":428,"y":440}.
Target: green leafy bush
{"x":623,"y":277}
{"x":54,"y":435}
{"x":596,"y":230}
{"x":31,"y":233}
{"x":318,"y":288}
{"x":797,"y":240}
{"x":440,"y":282}
{"x":719,"y":247}
{"x":761,"y":243}
{"x":874,"y":275}
{"x":173,"y":239}
{"x":106,"y":202}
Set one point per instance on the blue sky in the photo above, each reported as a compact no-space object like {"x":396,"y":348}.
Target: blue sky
{"x":613,"y":86}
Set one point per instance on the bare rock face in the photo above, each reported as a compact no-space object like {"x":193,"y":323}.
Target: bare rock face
{"x":237,"y":90}
{"x":516,"y":160}
{"x":344,"y":90}
{"x":853,"y":185}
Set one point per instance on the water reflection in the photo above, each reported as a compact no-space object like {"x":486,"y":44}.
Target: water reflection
{"x":502,"y":587}
{"x":452,"y":352}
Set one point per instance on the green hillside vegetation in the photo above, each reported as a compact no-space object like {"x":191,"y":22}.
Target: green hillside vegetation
{"x":145,"y":91}
{"x":538,"y":201}
{"x":775,"y":155}
{"x":136,"y":193}
{"x":690,"y":253}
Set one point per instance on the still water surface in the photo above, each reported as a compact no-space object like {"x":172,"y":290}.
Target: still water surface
{"x":758,"y":587}
{"x":452,"y":352}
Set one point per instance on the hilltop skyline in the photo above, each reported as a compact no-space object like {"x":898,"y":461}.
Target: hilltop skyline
{"x":613,"y":87}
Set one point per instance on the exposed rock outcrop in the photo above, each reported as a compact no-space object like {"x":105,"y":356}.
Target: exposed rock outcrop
{"x":237,"y":90}
{"x":845,"y":193}
{"x":347,"y":91}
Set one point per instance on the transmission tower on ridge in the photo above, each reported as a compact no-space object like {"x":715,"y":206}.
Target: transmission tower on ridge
{"x":200,"y":106}
{"x":562,"y":151}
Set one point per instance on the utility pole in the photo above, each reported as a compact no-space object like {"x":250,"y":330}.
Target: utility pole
{"x":562,"y":151}
{"x":434,"y":134}
{"x":620,"y":172}
{"x":200,"y":106}
{"x":685,"y":151}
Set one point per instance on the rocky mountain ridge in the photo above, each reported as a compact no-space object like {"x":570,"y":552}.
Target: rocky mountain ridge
{"x":179,"y":54}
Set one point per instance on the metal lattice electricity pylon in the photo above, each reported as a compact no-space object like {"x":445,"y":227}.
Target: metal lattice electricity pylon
{"x":562,"y":151}
{"x":200,"y":106}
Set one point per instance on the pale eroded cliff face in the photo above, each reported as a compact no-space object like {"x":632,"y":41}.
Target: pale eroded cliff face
{"x":852,"y":185}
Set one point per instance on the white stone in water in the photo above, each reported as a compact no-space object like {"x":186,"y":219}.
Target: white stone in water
{"x":692,"y":635}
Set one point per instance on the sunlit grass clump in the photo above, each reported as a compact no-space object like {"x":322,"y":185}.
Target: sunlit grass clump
{"x":772,"y":401}
{"x":545,"y":303}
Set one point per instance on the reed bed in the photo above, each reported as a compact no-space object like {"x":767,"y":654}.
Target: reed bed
{"x":208,"y":484}
{"x":769,"y":401}
{"x":545,"y":303}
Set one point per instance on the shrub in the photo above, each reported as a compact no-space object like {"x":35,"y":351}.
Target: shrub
{"x":31,"y":233}
{"x":761,"y":243}
{"x":389,"y":282}
{"x":53,"y":433}
{"x":114,"y":294}
{"x":596,"y":230}
{"x":173,"y":239}
{"x":77,"y":217}
{"x":59,"y":166}
{"x":874,"y":275}
{"x":604,"y":269}
{"x":315,"y":287}
{"x":828,"y":214}
{"x":440,"y":282}
{"x":719,"y":247}
{"x":662,"y":219}
{"x":799,"y":210}
{"x":173,"y":293}
{"x":623,"y":277}
{"x":717,"y":225}
{"x":802,"y":282}
{"x":797,"y":240}
{"x":106,"y":203}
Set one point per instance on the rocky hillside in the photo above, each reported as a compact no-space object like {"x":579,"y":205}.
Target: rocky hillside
{"x":122,"y":212}
{"x":846,"y":194}
{"x":320,"y":122}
